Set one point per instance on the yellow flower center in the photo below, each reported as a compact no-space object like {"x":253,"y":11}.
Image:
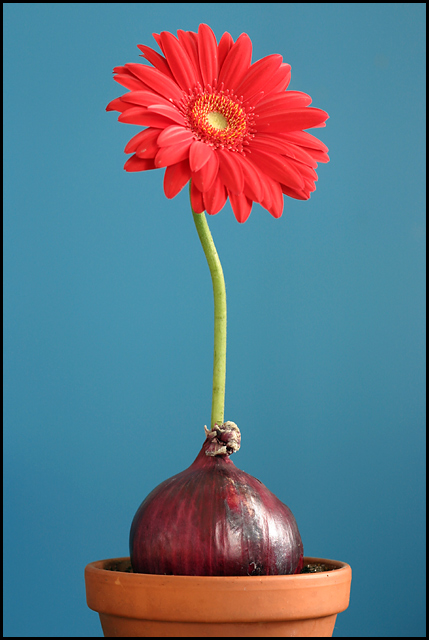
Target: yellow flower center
{"x":217,"y":120}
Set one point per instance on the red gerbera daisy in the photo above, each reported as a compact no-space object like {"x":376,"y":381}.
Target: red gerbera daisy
{"x":213,"y":117}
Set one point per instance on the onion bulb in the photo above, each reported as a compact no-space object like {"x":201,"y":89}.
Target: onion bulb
{"x":215,"y":520}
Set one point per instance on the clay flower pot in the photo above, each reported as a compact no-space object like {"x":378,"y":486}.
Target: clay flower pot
{"x":137,"y":605}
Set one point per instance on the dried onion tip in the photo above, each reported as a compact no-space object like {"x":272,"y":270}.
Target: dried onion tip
{"x":215,"y":520}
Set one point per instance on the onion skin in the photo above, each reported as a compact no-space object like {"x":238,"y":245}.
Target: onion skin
{"x":215,"y":520}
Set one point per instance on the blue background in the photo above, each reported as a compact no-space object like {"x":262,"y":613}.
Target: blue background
{"x":108,"y":307}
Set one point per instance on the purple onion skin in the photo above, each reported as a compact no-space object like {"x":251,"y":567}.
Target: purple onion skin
{"x":214,"y":520}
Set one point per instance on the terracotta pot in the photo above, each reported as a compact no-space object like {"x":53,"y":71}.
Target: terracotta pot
{"x":137,"y":605}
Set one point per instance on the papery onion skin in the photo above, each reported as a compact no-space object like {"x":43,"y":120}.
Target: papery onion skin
{"x":214,"y":520}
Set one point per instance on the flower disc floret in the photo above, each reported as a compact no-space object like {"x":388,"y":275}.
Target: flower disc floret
{"x":219,"y":120}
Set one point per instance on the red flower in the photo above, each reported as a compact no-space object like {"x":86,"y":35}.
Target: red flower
{"x":228,"y":125}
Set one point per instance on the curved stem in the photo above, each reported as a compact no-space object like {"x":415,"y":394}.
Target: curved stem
{"x":219,"y":294}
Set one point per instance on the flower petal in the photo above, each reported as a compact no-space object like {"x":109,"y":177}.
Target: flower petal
{"x":236,"y":62}
{"x":189,"y":41}
{"x":175,"y":178}
{"x":230,"y":171}
{"x":133,"y":115}
{"x":267,"y":199}
{"x":139,"y":139}
{"x":156,"y":60}
{"x":277,"y":103}
{"x":215,"y":197}
{"x":178,"y":61}
{"x":277,"y":202}
{"x":156,"y":81}
{"x":277,"y":167}
{"x":207,"y":51}
{"x":139,"y":164}
{"x":170,"y":155}
{"x":174,"y":134}
{"x":298,"y":194}
{"x":304,"y":139}
{"x":144,"y":118}
{"x":273,"y":201}
{"x":205,"y":177}
{"x":225,"y":44}
{"x":129,"y":81}
{"x":145,"y":98}
{"x":319,"y":156}
{"x":241,"y":206}
{"x":169,"y":112}
{"x":258,"y":75}
{"x":117,"y":105}
{"x":274,"y":144}
{"x":199,"y":154}
{"x":197,"y":201}
{"x":280,"y":80}
{"x":302,"y":155}
{"x":157,"y":39}
{"x":309,"y":187}
{"x":292,"y":120}
{"x":308,"y":173}
{"x":148,"y":147}
{"x":253,"y":188}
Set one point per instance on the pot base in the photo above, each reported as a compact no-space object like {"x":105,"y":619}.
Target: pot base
{"x":136,"y":605}
{"x":320,"y":628}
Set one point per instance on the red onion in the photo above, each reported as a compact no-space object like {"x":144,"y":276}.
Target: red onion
{"x":215,"y":520}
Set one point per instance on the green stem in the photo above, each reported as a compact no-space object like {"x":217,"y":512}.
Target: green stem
{"x":219,"y":294}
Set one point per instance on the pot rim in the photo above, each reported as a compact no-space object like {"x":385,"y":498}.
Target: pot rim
{"x":105,"y":566}
{"x":231,"y":598}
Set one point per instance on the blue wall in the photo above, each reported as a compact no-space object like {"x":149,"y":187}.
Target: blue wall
{"x":108,"y":308}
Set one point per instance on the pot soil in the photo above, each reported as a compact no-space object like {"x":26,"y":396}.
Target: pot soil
{"x":138,"y":605}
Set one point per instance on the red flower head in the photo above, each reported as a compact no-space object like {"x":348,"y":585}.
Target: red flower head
{"x":216,"y":119}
